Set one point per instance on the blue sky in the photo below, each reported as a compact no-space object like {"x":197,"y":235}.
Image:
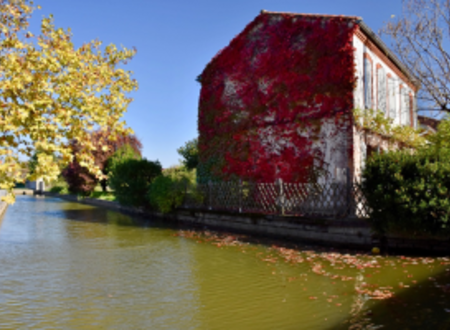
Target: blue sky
{"x":175,"y":40}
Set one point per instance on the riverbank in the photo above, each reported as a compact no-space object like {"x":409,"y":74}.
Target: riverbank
{"x":3,"y":205}
{"x":355,"y":234}
{"x":3,"y":208}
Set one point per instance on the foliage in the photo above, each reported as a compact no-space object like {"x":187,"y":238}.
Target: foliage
{"x":130,"y":177}
{"x":168,"y":190}
{"x":377,"y":122}
{"x":104,"y":149}
{"x":265,"y":97}
{"x":79,"y":179}
{"x":59,"y":190}
{"x":420,"y":37}
{"x":107,"y":196}
{"x":121,"y":155}
{"x":441,"y":139}
{"x":189,"y":152}
{"x":52,"y":93}
{"x":60,"y":186}
{"x":32,"y":163}
{"x":409,"y":192}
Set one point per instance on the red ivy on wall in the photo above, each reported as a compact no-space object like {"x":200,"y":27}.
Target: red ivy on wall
{"x":265,"y":96}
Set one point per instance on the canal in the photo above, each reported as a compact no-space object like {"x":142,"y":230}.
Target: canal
{"x":72,"y":266}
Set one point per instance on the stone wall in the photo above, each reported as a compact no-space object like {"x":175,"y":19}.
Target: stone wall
{"x":337,"y":233}
{"x":3,"y":205}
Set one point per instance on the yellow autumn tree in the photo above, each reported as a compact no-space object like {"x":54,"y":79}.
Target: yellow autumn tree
{"x":52,"y":93}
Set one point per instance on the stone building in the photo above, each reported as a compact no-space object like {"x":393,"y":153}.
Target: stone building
{"x":277,"y":102}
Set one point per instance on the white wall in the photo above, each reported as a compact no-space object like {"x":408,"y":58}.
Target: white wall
{"x":36,"y":185}
{"x":359,"y":137}
{"x":396,"y":80}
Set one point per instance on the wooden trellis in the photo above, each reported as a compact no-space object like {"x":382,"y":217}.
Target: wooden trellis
{"x":325,"y":200}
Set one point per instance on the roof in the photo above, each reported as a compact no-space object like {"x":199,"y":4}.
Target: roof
{"x":310,"y":15}
{"x":366,"y":30}
{"x":428,"y":122}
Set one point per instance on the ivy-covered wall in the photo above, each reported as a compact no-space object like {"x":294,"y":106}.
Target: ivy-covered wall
{"x":277,"y":101}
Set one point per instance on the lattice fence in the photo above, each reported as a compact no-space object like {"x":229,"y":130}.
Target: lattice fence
{"x":328,"y":200}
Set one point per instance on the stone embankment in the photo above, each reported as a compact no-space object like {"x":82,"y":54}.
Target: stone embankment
{"x":23,"y":191}
{"x":3,"y":205}
{"x":337,"y":233}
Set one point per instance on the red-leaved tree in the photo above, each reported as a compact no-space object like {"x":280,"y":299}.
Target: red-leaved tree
{"x":79,"y":179}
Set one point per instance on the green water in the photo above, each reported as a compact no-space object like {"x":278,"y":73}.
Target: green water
{"x":71,"y":266}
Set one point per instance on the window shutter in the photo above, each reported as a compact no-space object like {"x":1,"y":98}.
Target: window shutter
{"x":405,"y":108}
{"x":367,"y":83}
{"x":382,"y":96}
{"x":392,"y":104}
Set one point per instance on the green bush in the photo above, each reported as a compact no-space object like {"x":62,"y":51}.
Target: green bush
{"x":59,"y":190}
{"x":130,"y":177}
{"x":122,"y":154}
{"x":168,"y":190}
{"x":408,"y":193}
{"x":59,"y":186}
{"x":104,"y":195}
{"x":189,"y":152}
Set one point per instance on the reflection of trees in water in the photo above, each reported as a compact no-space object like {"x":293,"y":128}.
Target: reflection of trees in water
{"x":87,"y":215}
{"x":120,"y":219}
{"x":118,"y":229}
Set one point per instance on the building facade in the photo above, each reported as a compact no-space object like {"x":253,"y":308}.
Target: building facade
{"x":277,"y":102}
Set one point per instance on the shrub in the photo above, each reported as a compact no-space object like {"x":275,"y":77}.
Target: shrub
{"x":130,"y":177}
{"x":79,"y":179}
{"x":168,"y":190}
{"x":107,"y":196}
{"x":60,"y":187}
{"x":189,"y":152}
{"x":122,"y":154}
{"x":409,"y":193}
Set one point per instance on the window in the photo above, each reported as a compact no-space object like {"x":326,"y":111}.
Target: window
{"x":406,"y":118}
{"x":367,"y":82}
{"x":381,"y":90}
{"x":392,"y":102}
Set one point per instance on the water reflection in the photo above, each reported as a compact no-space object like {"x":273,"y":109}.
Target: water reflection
{"x":68,"y":265}
{"x":88,"y":273}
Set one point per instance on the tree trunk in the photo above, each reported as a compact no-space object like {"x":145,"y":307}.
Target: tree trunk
{"x":103,"y":183}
